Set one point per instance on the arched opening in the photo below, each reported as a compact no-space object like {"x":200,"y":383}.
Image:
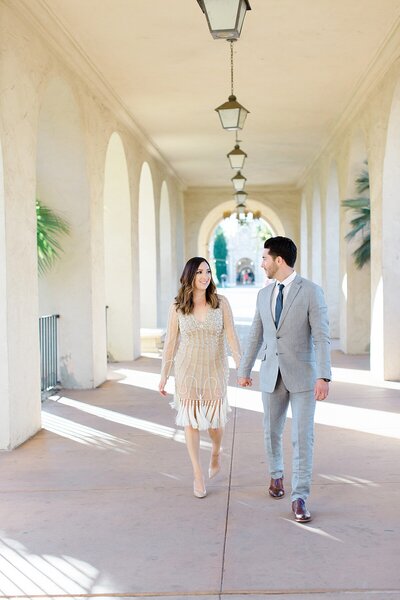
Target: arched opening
{"x":316,"y":245}
{"x":245,"y":271}
{"x":214,"y":217}
{"x":304,"y":237}
{"x":118,"y":253}
{"x":385,"y":332}
{"x":4,"y":405}
{"x":331,"y":274}
{"x":355,"y":310}
{"x":166,"y":277}
{"x":147,"y":251}
{"x":68,"y":288}
{"x":235,"y":248}
{"x":177,"y":225}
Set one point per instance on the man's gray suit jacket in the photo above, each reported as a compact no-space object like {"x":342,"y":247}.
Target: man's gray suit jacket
{"x":299,"y":348}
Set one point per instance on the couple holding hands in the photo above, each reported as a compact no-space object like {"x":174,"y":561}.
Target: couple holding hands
{"x":291,"y":329}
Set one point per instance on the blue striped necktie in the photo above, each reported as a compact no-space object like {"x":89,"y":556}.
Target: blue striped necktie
{"x":279,"y":304}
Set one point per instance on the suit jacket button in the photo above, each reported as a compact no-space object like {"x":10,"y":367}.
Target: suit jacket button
{"x":278,"y":337}
{"x":276,"y":353}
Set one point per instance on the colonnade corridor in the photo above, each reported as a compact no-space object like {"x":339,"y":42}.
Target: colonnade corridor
{"x":100,"y":503}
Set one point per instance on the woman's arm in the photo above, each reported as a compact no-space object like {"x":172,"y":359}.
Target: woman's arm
{"x":230,"y":330}
{"x":170,"y":348}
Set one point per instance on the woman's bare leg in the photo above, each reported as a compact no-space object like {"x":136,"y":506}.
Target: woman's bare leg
{"x":216,"y":439}
{"x":193,"y":445}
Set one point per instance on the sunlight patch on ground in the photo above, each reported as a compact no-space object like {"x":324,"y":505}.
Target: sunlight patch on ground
{"x":361,"y":377}
{"x":171,"y":433}
{"x":85,"y":435}
{"x":349,"y":479}
{"x":22,"y":573}
{"x":315,"y":530}
{"x":148,"y":381}
{"x":364,"y":420}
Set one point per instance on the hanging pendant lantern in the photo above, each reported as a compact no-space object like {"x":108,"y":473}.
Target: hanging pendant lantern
{"x":240,"y":198}
{"x":225,"y":17}
{"x":232,"y":114}
{"x":239,"y":181}
{"x":237,"y":157}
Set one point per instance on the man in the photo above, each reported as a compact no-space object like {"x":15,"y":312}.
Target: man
{"x":291,"y":326}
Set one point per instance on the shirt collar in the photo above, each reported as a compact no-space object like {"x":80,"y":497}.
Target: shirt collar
{"x":287,"y":280}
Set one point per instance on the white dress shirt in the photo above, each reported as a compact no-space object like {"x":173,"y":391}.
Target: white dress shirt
{"x":287,"y":283}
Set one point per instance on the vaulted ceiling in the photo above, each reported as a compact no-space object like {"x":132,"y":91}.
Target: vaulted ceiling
{"x":299,"y":65}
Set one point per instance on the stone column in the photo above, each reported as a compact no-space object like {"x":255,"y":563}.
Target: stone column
{"x":20,"y":403}
{"x":385,"y":251}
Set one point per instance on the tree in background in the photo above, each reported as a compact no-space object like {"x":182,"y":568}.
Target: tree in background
{"x":361,"y":224}
{"x":49,"y":228}
{"x":220,"y":253}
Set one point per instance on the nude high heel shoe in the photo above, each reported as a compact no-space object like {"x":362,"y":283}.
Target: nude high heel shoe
{"x":199,"y":493}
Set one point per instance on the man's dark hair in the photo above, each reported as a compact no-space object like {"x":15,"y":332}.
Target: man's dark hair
{"x":283,"y":247}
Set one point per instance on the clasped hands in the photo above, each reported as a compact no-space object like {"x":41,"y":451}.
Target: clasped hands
{"x":245,"y":381}
{"x":321,"y":388}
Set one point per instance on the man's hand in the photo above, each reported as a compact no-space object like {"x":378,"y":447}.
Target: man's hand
{"x":245,"y":382}
{"x":321,"y":389}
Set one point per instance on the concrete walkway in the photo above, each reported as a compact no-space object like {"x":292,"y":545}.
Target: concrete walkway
{"x":99,"y":503}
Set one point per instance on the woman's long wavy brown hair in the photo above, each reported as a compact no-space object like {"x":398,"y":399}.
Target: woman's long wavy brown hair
{"x":184,"y":297}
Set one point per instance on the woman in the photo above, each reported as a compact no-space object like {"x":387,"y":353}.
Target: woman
{"x":195,"y":341}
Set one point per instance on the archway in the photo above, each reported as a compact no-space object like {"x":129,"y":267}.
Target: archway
{"x":147,"y":251}
{"x":118,"y":253}
{"x":214,"y":216}
{"x":316,"y":244}
{"x":235,"y":249}
{"x":4,"y":405}
{"x":385,"y":332}
{"x":245,"y":271}
{"x":331,"y":274}
{"x":355,"y":310}
{"x":69,"y":288}
{"x":166,"y":276}
{"x":304,"y":237}
{"x":178,"y":237}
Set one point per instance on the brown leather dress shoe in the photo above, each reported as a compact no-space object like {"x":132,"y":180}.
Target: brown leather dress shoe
{"x":276,"y":488}
{"x":301,"y":514}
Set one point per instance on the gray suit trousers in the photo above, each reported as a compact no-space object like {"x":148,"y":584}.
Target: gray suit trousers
{"x":302,"y":406}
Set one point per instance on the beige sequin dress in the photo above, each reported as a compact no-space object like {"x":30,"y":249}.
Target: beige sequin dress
{"x":198,"y":351}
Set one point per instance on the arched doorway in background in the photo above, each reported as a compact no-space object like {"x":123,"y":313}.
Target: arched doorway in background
{"x":118,"y":253}
{"x":147,"y":250}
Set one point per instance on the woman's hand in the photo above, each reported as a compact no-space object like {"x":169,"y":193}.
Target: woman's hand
{"x":245,"y":381}
{"x":161,"y":386}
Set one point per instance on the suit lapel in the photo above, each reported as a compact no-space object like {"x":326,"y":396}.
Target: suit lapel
{"x":294,"y":290}
{"x":268,"y":303}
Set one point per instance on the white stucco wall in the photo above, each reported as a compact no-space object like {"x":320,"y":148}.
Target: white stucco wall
{"x":71,"y":178}
{"x":369,"y":128}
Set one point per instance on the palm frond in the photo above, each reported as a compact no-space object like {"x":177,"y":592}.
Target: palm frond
{"x":362,"y":182}
{"x":362,"y":255}
{"x":362,"y":202}
{"x":361,"y":223}
{"x":50,"y":226}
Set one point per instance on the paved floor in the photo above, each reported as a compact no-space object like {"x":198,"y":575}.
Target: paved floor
{"x":99,"y":502}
